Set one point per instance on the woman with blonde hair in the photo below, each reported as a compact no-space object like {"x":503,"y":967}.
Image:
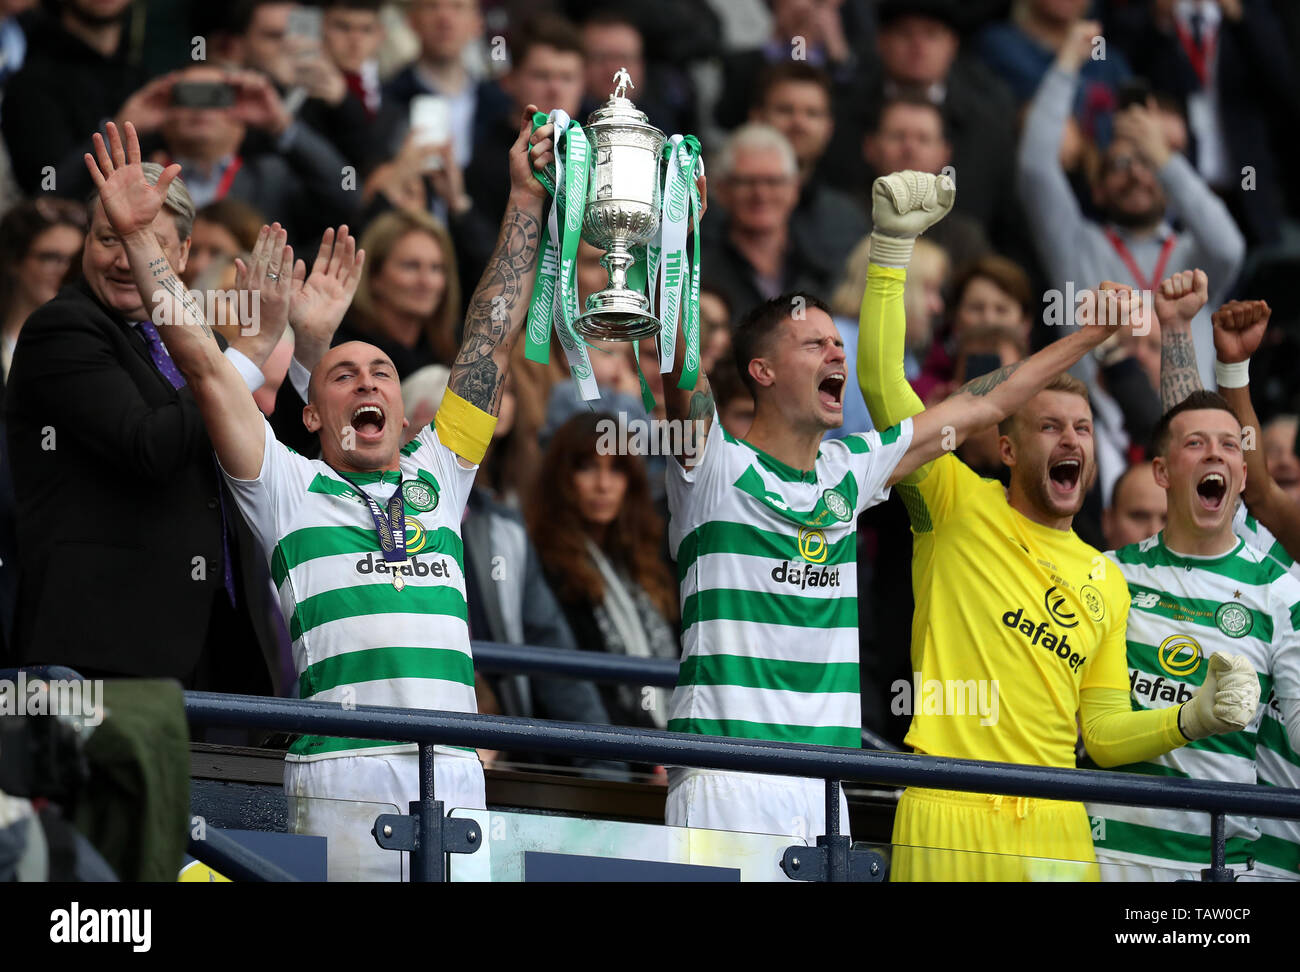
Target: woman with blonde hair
{"x":408,"y":301}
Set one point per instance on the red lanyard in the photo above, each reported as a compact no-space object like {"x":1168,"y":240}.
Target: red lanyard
{"x":228,"y":176}
{"x":1127,"y":257}
{"x":1201,"y":55}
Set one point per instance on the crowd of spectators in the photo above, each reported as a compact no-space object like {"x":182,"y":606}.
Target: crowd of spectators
{"x":1088,"y":140}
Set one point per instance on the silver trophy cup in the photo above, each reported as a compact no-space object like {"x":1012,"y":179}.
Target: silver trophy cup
{"x":623,"y":206}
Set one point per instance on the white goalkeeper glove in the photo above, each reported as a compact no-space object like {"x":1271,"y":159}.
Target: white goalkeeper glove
{"x":1227,"y":700}
{"x":903,"y":206}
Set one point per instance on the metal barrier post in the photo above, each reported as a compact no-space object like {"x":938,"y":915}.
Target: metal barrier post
{"x":833,"y":859}
{"x":836,"y":844}
{"x":425,"y":833}
{"x":1218,"y":869}
{"x":427,"y":860}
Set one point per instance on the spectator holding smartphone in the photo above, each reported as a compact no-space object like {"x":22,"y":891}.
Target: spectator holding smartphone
{"x":1141,"y":178}
{"x":446,"y":29}
{"x":236,"y":139}
{"x":284,"y":41}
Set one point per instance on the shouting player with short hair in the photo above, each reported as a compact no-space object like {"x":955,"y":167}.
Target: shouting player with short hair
{"x":1200,"y":589}
{"x":364,"y":544}
{"x":763,"y":531}
{"x":1007,"y":596}
{"x":1204,"y":604}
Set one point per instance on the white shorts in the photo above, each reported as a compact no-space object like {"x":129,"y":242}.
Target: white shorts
{"x":792,"y":806}
{"x":340,"y":798}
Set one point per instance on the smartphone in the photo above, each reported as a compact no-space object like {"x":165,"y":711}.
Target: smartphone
{"x":1133,"y":92}
{"x":978,"y":365}
{"x":203,"y":94}
{"x":431,"y":121}
{"x":305,"y":22}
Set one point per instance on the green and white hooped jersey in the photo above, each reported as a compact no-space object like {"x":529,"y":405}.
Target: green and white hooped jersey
{"x":1258,"y":536}
{"x":1278,"y":848}
{"x":357,"y":639}
{"x":1185,"y":609}
{"x":767,"y":562}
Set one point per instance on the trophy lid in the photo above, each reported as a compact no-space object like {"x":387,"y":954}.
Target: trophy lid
{"x":619,"y":110}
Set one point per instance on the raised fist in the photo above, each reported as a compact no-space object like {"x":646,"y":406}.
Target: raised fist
{"x":1238,"y":328}
{"x":1109,"y":307}
{"x":906,"y":204}
{"x":1225,"y":702}
{"x":1181,"y":296}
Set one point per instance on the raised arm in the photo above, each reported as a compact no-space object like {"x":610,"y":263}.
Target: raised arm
{"x":903,"y":205}
{"x":987,"y":400}
{"x":233,"y":421}
{"x":1178,"y":300}
{"x":1049,"y":203}
{"x":499,"y":305}
{"x":1239,"y":326}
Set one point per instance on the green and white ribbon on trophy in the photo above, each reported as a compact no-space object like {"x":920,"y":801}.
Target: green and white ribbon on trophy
{"x":587,"y":191}
{"x":555,"y":294}
{"x":668,"y":267}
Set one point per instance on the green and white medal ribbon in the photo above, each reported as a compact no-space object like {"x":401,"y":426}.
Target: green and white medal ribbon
{"x":555,"y":294}
{"x":669,"y":268}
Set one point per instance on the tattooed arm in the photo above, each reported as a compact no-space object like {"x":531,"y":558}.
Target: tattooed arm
{"x":135,"y":209}
{"x":1179,"y":299}
{"x":987,"y":400}
{"x":499,"y":305}
{"x":694,"y":405}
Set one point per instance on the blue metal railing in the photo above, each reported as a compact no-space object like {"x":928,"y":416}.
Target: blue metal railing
{"x":832,"y":764}
{"x":496,"y":657}
{"x":427,"y":727}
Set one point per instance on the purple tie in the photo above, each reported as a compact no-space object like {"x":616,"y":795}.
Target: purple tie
{"x":173,"y":374}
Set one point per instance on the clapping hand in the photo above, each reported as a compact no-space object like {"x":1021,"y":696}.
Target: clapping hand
{"x":320,"y":300}
{"x":268,"y":277}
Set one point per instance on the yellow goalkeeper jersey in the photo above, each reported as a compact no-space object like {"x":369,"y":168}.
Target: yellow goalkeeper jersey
{"x":1013,"y":620}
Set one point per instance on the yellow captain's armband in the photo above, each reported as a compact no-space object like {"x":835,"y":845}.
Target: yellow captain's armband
{"x":463,"y":428}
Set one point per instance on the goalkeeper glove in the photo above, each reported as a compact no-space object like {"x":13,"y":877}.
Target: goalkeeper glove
{"x":1226,"y":702}
{"x":903,"y":206}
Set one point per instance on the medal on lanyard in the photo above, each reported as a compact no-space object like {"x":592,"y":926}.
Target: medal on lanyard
{"x":391,"y":528}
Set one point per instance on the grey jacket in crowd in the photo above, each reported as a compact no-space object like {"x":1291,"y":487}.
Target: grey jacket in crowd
{"x":1075,"y":249}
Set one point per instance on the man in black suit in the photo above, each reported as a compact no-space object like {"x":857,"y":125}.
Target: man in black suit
{"x":128,"y":558}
